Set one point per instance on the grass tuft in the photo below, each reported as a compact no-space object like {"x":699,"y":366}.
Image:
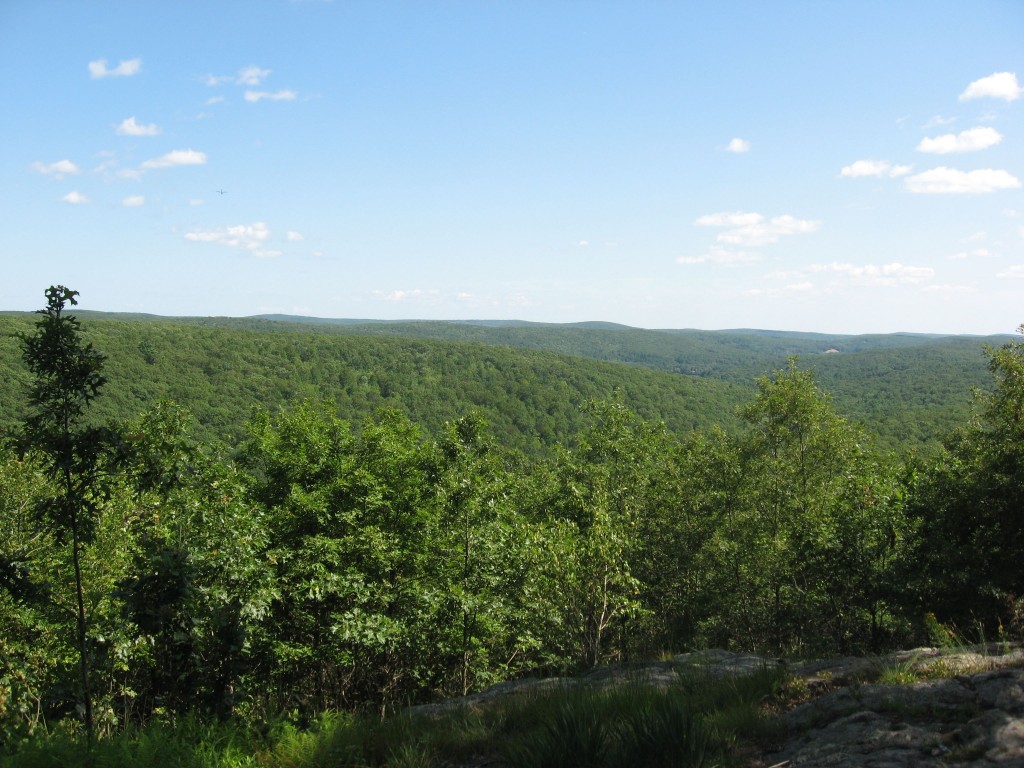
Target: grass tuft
{"x":695,"y":723}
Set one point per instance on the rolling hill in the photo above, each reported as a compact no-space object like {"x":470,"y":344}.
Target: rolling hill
{"x":528,"y":379}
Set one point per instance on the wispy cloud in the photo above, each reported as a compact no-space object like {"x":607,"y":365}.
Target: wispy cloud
{"x":743,"y":230}
{"x":884,"y":274}
{"x":753,"y":229}
{"x":133,"y":201}
{"x":58,"y":170}
{"x":1015,"y":272}
{"x":175,"y":158}
{"x":75,"y":198}
{"x":129,"y":127}
{"x":98,"y":69}
{"x":719,"y":255}
{"x":998,"y":85}
{"x":977,"y":253}
{"x":878,"y":168}
{"x":970,"y":140}
{"x":735,"y":219}
{"x":295,"y":236}
{"x":824,"y":278}
{"x":251,"y":75}
{"x":285,"y":95}
{"x":247,"y":237}
{"x":400,"y":295}
{"x":950,"y":181}
{"x":738,"y":146}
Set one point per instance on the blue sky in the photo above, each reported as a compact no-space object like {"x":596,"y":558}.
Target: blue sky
{"x":816,"y":166}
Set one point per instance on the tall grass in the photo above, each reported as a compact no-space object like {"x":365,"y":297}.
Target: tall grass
{"x":693,"y":724}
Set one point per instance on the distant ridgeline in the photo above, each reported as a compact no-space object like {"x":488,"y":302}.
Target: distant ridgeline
{"x":528,"y":380}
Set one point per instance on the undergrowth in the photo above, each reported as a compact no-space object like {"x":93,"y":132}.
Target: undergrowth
{"x":696,"y":723}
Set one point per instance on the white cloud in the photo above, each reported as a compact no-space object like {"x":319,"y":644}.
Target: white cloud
{"x":1015,"y":272}
{"x":977,"y":253}
{"x":999,"y":85}
{"x":886,"y":274}
{"x":248,"y":237}
{"x":75,"y":198}
{"x":738,"y":146}
{"x":295,"y":236}
{"x":966,"y":141}
{"x":129,"y":127}
{"x":177,"y":157}
{"x":944,"y":180}
{"x":400,"y":295}
{"x":751,"y":229}
{"x":133,"y":201}
{"x":582,"y":243}
{"x":214,"y":100}
{"x":726,"y":219}
{"x":98,"y":69}
{"x":790,"y":225}
{"x":720,"y":255}
{"x":251,"y":76}
{"x":108,"y":162}
{"x":874,"y":168}
{"x":254,"y":96}
{"x":938,"y":120}
{"x":58,"y":170}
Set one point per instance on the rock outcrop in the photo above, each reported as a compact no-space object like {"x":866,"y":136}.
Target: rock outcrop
{"x":921,"y":708}
{"x":955,"y":708}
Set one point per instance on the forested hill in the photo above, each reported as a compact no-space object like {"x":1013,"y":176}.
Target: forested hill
{"x":732,"y":355}
{"x":527,"y":379}
{"x":222,"y":370}
{"x":909,"y":389}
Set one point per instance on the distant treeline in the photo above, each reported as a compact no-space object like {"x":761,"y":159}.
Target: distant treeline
{"x":528,"y":379}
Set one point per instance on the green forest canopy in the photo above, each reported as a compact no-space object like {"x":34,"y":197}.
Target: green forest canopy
{"x":314,"y":564}
{"x":528,"y":379}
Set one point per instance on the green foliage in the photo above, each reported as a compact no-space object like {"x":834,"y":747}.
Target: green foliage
{"x":808,"y":523}
{"x":601,"y":493}
{"x":348,"y":529}
{"x":66,"y":378}
{"x":967,"y":503}
{"x":910,"y":389}
{"x":526,"y":381}
{"x":482,"y":514}
{"x":478,"y":563}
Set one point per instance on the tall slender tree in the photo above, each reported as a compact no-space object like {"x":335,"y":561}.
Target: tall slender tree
{"x":67,"y":376}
